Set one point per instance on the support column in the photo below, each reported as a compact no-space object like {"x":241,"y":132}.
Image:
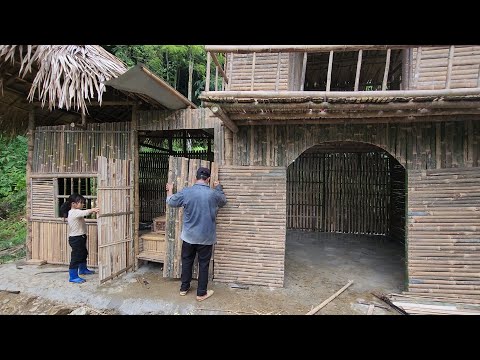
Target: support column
{"x":136,"y":185}
{"x":30,"y":135}
{"x":228,"y":146}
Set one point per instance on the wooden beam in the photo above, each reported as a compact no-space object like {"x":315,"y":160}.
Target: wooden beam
{"x":217,"y":110}
{"x":336,"y":94}
{"x":351,"y":121}
{"x":239,"y":49}
{"x":231,"y":108}
{"x":103,"y":103}
{"x":219,"y":67}
{"x":136,"y":184}
{"x":317,"y":308}
{"x":277,"y":79}
{"x":253,"y":71}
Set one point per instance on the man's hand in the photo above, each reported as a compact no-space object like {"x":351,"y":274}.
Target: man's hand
{"x":215,"y":183}
{"x":169,"y":187}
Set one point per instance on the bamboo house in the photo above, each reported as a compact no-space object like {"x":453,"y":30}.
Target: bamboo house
{"x":378,"y":141}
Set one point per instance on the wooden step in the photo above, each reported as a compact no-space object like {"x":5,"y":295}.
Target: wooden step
{"x":153,"y":236}
{"x":152,"y":256}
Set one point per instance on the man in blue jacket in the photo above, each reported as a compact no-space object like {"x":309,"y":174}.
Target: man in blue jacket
{"x":201,"y":204}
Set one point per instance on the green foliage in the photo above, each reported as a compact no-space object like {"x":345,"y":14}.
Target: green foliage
{"x":13,"y":160}
{"x":13,"y":232}
{"x":170,"y":62}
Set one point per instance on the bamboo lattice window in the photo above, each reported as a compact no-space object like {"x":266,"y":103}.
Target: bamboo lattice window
{"x":85,"y":186}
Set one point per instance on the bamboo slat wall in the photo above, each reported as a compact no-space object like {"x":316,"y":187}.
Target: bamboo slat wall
{"x":61,"y":149}
{"x":182,"y":173}
{"x":257,"y":71}
{"x":444,"y":232}
{"x":397,"y":201}
{"x":115,"y":220}
{"x":251,"y":227}
{"x":43,"y":198}
{"x":443,"y":67}
{"x":186,"y":119}
{"x":425,"y":145}
{"x":51,"y":242}
{"x":340,"y":192}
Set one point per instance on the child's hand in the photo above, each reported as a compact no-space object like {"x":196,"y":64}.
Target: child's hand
{"x":95,"y":210}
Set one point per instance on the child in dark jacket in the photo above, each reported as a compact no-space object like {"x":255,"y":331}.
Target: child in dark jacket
{"x":77,"y":235}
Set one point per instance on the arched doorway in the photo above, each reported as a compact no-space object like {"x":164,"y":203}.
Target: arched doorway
{"x":346,"y":218}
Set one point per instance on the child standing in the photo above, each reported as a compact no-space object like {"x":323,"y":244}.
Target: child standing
{"x":77,"y":235}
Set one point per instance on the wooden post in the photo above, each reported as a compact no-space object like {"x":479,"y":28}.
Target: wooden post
{"x":190,"y":78}
{"x":217,"y":110}
{"x":359,"y":67}
{"x":228,"y":146}
{"x":304,"y":71}
{"x":207,"y":80}
{"x":387,"y":68}
{"x":31,"y":135}
{"x":229,"y":83}
{"x":449,"y":67}
{"x":136,"y":186}
{"x":329,"y":74}
{"x":216,"y":78}
{"x":417,"y":66}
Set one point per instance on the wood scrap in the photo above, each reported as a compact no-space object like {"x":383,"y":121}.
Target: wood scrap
{"x":238,"y":286}
{"x":11,"y":291}
{"x":371,"y":307}
{"x":385,"y":299}
{"x":315,"y":310}
{"x":376,"y":304}
{"x":51,"y":272}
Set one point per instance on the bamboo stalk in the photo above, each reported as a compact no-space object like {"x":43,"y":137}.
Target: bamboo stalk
{"x":317,"y":308}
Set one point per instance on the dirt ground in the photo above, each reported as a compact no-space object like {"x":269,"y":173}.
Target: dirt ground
{"x":316,"y":266}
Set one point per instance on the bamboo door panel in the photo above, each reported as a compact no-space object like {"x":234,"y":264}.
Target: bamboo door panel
{"x":182,"y":173}
{"x":115,"y":220}
{"x":251,"y":228}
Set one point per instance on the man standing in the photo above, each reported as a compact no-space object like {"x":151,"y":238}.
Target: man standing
{"x":201,"y":204}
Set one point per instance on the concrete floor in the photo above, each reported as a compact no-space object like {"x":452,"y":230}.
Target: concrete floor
{"x":316,"y":266}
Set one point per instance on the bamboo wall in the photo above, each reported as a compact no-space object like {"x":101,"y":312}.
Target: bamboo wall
{"x":186,"y":119}
{"x":425,"y":145}
{"x":398,"y":201}
{"x":152,"y":179}
{"x":242,"y":75}
{"x":444,"y":232}
{"x":51,"y":241}
{"x":340,"y":192}
{"x":434,"y":72}
{"x":61,"y":149}
{"x":251,"y":227}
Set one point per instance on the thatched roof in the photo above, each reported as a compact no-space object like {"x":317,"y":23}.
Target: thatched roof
{"x":62,"y":82}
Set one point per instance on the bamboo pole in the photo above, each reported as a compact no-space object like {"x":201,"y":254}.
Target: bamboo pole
{"x":359,"y":67}
{"x":135,"y":178}
{"x":31,"y":135}
{"x":304,"y":71}
{"x":277,"y":79}
{"x":219,"y":67}
{"x":449,"y":67}
{"x":329,"y":72}
{"x":217,"y":110}
{"x":252,"y":76}
{"x":207,"y":79}
{"x":387,"y":68}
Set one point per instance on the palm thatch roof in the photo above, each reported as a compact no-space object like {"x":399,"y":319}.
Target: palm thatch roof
{"x":63,"y":82}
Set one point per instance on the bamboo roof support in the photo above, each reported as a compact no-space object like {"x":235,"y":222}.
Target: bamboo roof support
{"x":231,"y":70}
{"x":359,"y":67}
{"x":387,"y":68}
{"x":329,"y":73}
{"x":253,"y":71}
{"x":449,"y":67}
{"x":219,"y":67}
{"x":217,"y":110}
{"x":277,"y":80}
{"x":304,"y":71}
{"x":207,"y":79}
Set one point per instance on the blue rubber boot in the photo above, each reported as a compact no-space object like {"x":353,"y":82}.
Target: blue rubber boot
{"x":74,"y":276}
{"x":82,"y":269}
